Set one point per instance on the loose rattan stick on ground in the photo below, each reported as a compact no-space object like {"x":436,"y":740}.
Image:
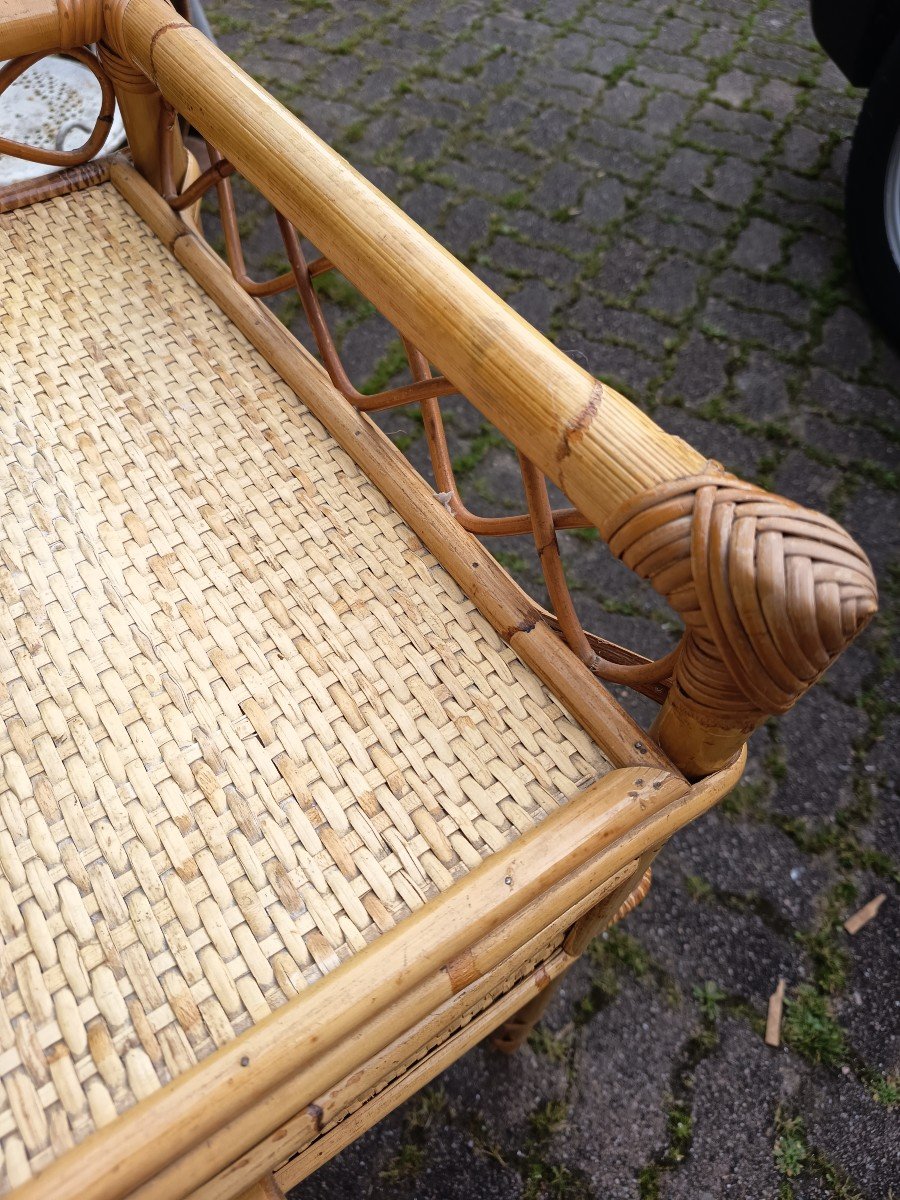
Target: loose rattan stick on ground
{"x":773,"y":1016}
{"x":864,"y":915}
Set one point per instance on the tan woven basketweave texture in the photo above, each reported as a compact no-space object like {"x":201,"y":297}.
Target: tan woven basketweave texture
{"x":246,"y":719}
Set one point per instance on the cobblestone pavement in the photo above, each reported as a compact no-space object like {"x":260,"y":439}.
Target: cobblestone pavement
{"x":659,"y":188}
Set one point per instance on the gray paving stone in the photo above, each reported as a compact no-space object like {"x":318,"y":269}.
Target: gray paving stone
{"x":606,"y":57}
{"x":846,"y":342}
{"x":735,"y":87}
{"x":849,"y":442}
{"x":753,"y":327}
{"x":673,"y":287}
{"x":870,"y":1011}
{"x":665,"y":112}
{"x":617,"y":1121}
{"x":762,"y":296}
{"x":714,"y":43}
{"x":670,"y":80}
{"x":633,"y":328}
{"x":519,"y":258}
{"x":700,"y":372}
{"x":654,"y":224}
{"x":875,"y":516}
{"x":733,"y":183}
{"x":761,"y":388}
{"x":424,"y":205}
{"x":777,"y":97}
{"x":749,"y":863}
{"x":560,"y":187}
{"x":624,"y":266}
{"x":685,"y":170}
{"x":629,"y":370}
{"x":734,"y":948}
{"x":810,"y":259}
{"x":695,"y":209}
{"x":467,"y":224}
{"x":622,"y":102}
{"x":603,"y":202}
{"x":758,"y":247}
{"x":535,"y":301}
{"x":801,"y":148}
{"x":807,"y":482}
{"x":738,"y":452}
{"x":819,"y":736}
{"x":675,"y":35}
{"x":846,"y":1124}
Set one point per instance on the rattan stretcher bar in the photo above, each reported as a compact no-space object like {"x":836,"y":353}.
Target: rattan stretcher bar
{"x":301,"y":795}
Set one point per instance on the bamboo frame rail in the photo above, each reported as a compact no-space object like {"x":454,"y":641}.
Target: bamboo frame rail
{"x":168,"y":1146}
{"x":534,"y":394}
{"x":324,"y":1116}
{"x":39,"y":26}
{"x":500,"y":599}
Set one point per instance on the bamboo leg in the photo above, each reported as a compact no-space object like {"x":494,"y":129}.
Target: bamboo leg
{"x":141,"y":106}
{"x":517,"y":1029}
{"x":623,"y":901}
{"x":264,"y":1189}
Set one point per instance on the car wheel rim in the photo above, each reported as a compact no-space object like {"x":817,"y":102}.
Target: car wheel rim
{"x":892,"y":200}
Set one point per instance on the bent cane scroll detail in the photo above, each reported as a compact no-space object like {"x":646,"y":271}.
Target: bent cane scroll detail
{"x":770,"y":592}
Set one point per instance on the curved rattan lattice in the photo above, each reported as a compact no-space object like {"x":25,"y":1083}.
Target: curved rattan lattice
{"x":17,"y":67}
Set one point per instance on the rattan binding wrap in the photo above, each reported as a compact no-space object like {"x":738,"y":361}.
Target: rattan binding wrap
{"x":246,"y":720}
{"x":770,"y":592}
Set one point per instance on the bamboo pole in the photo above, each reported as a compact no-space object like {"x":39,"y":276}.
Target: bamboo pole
{"x":517,"y":1029}
{"x":741,"y":600}
{"x":356,"y":1123}
{"x":264,"y":1189}
{"x":37,"y":26}
{"x":768,"y":606}
{"x":180,"y":1122}
{"x":251,"y":1126}
{"x":144,"y":114}
{"x":596,"y":920}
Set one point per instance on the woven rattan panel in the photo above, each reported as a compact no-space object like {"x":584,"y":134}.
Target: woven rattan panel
{"x":247,"y":721}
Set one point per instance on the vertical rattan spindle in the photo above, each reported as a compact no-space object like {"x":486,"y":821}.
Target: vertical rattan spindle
{"x":142,"y":109}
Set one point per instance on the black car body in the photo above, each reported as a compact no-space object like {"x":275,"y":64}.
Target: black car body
{"x":856,"y":34}
{"x":862,"y":37}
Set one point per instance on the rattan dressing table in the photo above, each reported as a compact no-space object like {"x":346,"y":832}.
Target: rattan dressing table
{"x":301,"y":795}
